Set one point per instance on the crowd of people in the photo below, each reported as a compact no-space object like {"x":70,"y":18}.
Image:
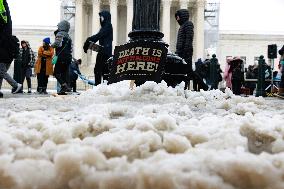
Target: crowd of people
{"x":11,"y":49}
{"x":56,"y":58}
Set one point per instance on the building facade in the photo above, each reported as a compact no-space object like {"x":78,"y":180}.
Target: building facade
{"x":34,"y":34}
{"x":87,"y":22}
{"x":249,"y":46}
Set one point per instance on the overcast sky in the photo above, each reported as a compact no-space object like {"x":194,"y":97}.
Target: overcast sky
{"x":245,"y":15}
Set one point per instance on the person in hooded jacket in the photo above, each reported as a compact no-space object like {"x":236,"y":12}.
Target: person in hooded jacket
{"x":63,"y":49}
{"x":23,"y":65}
{"x":43,"y":66}
{"x":105,"y":38}
{"x":7,"y":51}
{"x":184,"y":46}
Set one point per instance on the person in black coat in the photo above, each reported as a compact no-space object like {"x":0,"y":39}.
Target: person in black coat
{"x":105,"y":38}
{"x":63,"y":49}
{"x":215,"y":71}
{"x":74,"y":67}
{"x":250,"y":74}
{"x":237,"y":75}
{"x":23,"y":65}
{"x":9,"y":47}
{"x":184,"y":46}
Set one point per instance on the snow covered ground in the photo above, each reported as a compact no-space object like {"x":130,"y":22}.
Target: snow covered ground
{"x":152,"y":137}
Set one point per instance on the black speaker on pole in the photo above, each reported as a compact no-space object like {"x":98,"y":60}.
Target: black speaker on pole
{"x":272,"y":51}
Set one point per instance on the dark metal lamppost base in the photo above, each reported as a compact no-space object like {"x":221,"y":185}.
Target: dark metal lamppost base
{"x":146,"y":35}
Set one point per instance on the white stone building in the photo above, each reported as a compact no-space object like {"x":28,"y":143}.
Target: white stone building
{"x":87,"y":22}
{"x":34,"y":34}
{"x":249,"y":45}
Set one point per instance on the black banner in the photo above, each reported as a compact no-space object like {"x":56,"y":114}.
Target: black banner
{"x":140,"y":61}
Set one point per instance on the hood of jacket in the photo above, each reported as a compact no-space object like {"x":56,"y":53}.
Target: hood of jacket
{"x":27,"y":43}
{"x":106,"y":15}
{"x":63,"y":26}
{"x":183,"y":15}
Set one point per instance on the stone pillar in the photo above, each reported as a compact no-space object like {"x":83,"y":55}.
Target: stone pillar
{"x":129,"y":16}
{"x":78,"y":44}
{"x":199,"y":34}
{"x":183,"y":4}
{"x":95,"y":23}
{"x":113,"y":12}
{"x":166,"y":28}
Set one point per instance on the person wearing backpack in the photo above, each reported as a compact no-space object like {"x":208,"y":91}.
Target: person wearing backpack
{"x":63,"y":52}
{"x":23,"y":65}
{"x":9,"y":46}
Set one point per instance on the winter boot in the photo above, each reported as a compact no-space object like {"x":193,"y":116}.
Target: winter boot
{"x":62,"y":89}
{"x":39,"y":90}
{"x":66,"y":88}
{"x":44,"y":91}
{"x":1,"y":94}
{"x":29,"y":90}
{"x":18,"y":88}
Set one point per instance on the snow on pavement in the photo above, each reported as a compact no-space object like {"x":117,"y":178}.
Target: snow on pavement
{"x":153,"y":137}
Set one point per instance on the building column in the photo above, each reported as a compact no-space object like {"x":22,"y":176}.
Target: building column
{"x":95,"y":23}
{"x":78,"y":44}
{"x":183,"y":4}
{"x":113,"y":12}
{"x":199,"y":34}
{"x":166,"y":28}
{"x":129,"y":6}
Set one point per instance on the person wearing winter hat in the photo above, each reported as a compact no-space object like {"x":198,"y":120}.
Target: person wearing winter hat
{"x":63,"y":50}
{"x":43,"y":66}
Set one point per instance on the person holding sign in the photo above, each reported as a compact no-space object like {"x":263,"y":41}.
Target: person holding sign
{"x":105,"y":38}
{"x":184,"y":46}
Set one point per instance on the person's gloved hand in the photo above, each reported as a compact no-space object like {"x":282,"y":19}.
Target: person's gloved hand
{"x":86,"y":45}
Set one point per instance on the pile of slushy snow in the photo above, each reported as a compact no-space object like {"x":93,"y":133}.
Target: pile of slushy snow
{"x":153,"y":137}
